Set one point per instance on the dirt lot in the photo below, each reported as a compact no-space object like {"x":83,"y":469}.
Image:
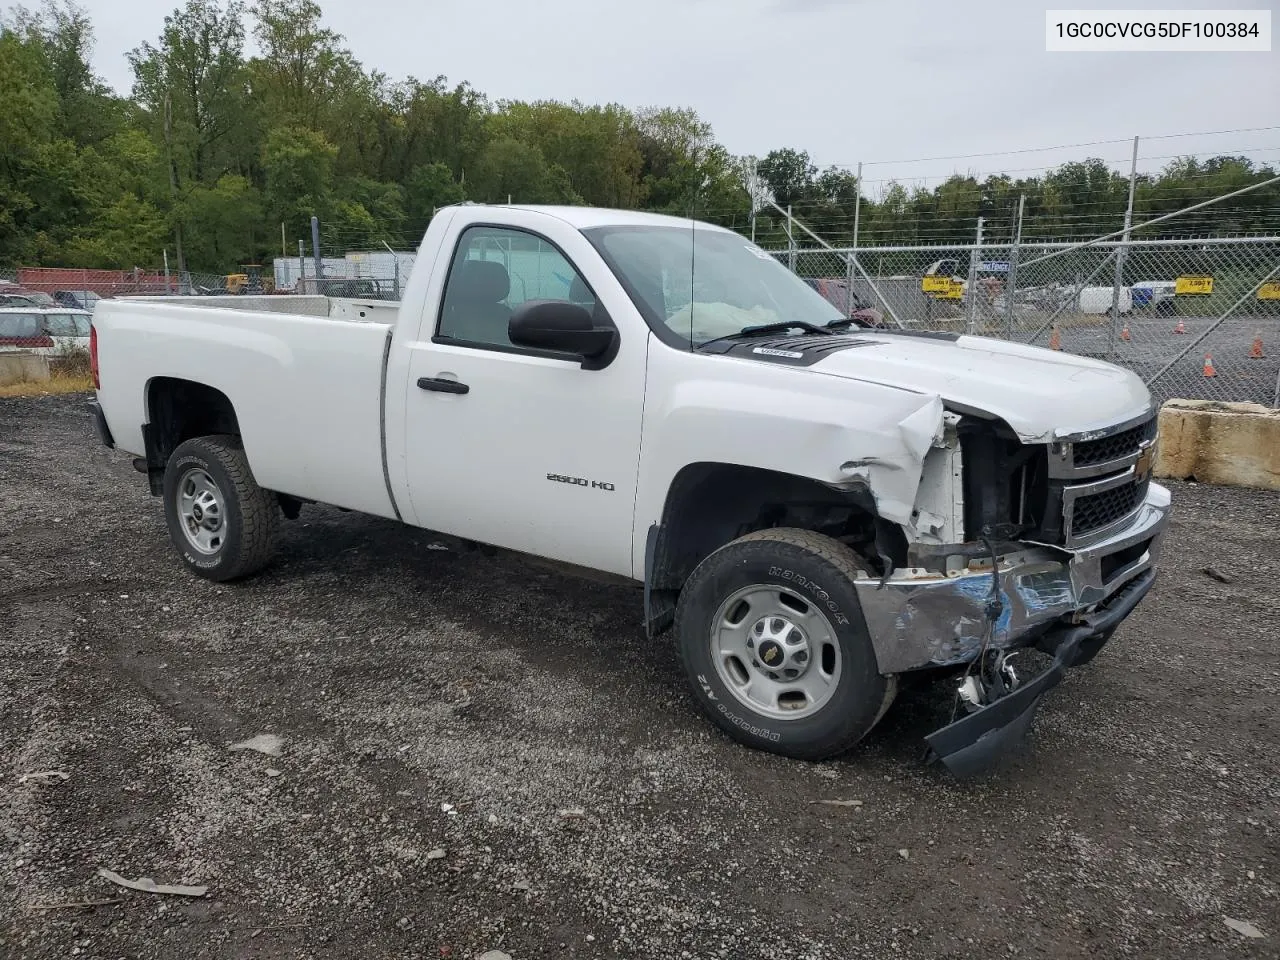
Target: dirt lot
{"x":1153,"y":345}
{"x":404,"y":678}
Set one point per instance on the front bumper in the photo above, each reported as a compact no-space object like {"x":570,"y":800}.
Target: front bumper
{"x":975,"y":742}
{"x":920,"y":619}
{"x":1065,"y":602}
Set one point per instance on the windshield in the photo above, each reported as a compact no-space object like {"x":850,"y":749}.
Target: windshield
{"x":700,"y":284}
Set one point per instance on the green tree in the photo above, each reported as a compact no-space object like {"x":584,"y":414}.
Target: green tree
{"x":62,"y":34}
{"x":303,"y":71}
{"x":224,"y":224}
{"x":789,"y":175}
{"x":29,"y":108}
{"x":193,"y":87}
{"x":596,"y":147}
{"x":510,"y":168}
{"x":1085,"y":198}
{"x":298,"y":171}
{"x":126,"y":233}
{"x":675,"y":150}
{"x":958,"y":202}
{"x":722,"y":196}
{"x":196,"y":75}
{"x":429,"y":187}
{"x":436,"y":124}
{"x":367,"y":214}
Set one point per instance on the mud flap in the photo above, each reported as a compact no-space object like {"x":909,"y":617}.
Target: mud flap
{"x":659,"y":605}
{"x":100,"y":425}
{"x":976,"y":742}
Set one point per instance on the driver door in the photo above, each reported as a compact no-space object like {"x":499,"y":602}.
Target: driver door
{"x":516,"y":447}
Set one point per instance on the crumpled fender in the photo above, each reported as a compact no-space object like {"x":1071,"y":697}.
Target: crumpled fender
{"x":894,"y":482}
{"x":849,"y":434}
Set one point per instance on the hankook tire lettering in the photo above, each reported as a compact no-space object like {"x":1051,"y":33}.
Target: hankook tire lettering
{"x":816,"y":589}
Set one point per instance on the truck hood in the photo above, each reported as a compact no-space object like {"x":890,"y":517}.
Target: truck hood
{"x":1041,"y":394}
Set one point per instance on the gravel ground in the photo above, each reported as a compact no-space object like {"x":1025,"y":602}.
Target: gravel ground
{"x":441,"y":713}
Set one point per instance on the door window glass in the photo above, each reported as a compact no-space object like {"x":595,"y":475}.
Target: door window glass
{"x":494,"y":271}
{"x":66,"y":325}
{"x":19,"y":325}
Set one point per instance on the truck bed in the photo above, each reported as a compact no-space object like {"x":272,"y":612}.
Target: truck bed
{"x":337,"y":308}
{"x":304,"y":374}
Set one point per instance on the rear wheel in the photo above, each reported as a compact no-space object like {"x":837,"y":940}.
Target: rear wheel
{"x":221,"y":522}
{"x":775,"y":646}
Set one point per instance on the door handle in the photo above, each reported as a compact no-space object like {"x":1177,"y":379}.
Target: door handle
{"x":441,"y":385}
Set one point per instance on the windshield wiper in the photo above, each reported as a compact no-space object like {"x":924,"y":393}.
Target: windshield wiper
{"x":778,"y":327}
{"x":843,"y":322}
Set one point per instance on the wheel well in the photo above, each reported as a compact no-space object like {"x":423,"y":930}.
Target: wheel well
{"x":710,"y":504}
{"x":178,"y":410}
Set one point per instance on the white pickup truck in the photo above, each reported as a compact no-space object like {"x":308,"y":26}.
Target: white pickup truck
{"x":821,"y":510}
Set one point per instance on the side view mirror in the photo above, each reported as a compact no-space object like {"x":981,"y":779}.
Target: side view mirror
{"x":561,"y":326}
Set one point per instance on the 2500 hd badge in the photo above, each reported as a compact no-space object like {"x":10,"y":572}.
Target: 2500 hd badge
{"x":582,"y":482}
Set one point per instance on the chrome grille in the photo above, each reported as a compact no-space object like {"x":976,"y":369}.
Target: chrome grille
{"x":1115,"y":447}
{"x":1098,"y":510}
{"x":1102,"y":481}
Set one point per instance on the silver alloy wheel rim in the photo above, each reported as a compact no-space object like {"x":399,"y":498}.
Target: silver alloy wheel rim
{"x":201,"y":511}
{"x":775,"y":651}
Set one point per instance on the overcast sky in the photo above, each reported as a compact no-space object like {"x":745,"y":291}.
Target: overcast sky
{"x":846,"y":80}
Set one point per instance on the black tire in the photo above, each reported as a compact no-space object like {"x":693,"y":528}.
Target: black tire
{"x":815,"y":570}
{"x":249,"y":514}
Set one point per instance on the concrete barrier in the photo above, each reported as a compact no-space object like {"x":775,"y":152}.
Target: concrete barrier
{"x":22,"y":367}
{"x":1237,"y":444}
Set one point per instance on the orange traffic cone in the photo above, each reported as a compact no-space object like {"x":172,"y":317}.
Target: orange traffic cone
{"x":1180,"y":328}
{"x":1208,"y":366}
{"x":1255,"y":351}
{"x":1124,"y":334}
{"x":1055,"y":339}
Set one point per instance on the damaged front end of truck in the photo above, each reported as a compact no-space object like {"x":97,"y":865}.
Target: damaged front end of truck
{"x":1014,"y":544}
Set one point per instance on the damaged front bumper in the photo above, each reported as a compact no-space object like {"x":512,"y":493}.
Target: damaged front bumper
{"x":976,"y":741}
{"x":1065,"y":602}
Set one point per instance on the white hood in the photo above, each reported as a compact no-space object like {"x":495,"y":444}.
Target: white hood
{"x":1042,"y":394}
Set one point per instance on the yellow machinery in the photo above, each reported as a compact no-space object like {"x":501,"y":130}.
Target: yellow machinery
{"x":250,"y":281}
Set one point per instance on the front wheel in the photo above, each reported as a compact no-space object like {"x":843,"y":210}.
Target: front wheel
{"x":221,"y":522}
{"x":775,"y":646}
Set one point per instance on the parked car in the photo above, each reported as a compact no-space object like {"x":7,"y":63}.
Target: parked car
{"x":837,"y":293}
{"x":29,"y":297}
{"x":45,"y":331}
{"x":79,"y":299}
{"x":19,"y":300}
{"x":821,"y":513}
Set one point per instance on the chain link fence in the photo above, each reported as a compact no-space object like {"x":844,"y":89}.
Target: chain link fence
{"x":48,"y":310}
{"x":1196,"y":319}
{"x":81,"y":288}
